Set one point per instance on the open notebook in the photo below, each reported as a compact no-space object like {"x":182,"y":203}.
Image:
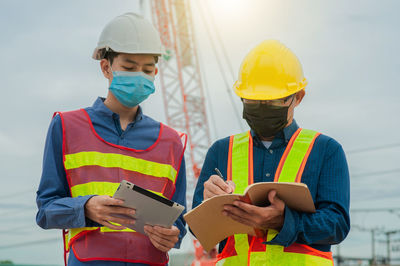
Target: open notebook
{"x":210,"y":226}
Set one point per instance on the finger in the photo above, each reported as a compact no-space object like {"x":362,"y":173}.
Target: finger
{"x":271,"y":196}
{"x":119,"y":220}
{"x":208,"y":194}
{"x":275,"y":200}
{"x":237,"y":211}
{"x":121,"y":210}
{"x":220,"y":183}
{"x":213,"y":186}
{"x":158,"y":245}
{"x":173,"y":231}
{"x":107,"y":200}
{"x":166,"y":242}
{"x":240,"y":219}
{"x":152,"y":231}
{"x":248,"y":208}
{"x":111,"y":226}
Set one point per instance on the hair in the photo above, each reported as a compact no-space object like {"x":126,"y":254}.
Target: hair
{"x":110,"y":55}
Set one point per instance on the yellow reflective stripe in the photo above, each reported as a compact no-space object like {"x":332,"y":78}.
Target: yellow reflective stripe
{"x":241,"y":243}
{"x":107,"y":229}
{"x":296,"y":155}
{"x":286,"y":258}
{"x":289,"y":258}
{"x":271,"y":234}
{"x":75,"y":231}
{"x":125,"y":162}
{"x":240,"y":161}
{"x":234,"y":261}
{"x":98,"y":188}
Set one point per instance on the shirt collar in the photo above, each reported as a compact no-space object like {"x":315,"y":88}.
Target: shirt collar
{"x":101,"y":108}
{"x":283,"y":135}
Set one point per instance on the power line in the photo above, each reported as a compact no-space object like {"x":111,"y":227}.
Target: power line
{"x":30,"y":243}
{"x":382,"y":147}
{"x":219,"y":62}
{"x":221,"y":43}
{"x":377,"y":173}
{"x":376,"y":210}
{"x":15,"y":194}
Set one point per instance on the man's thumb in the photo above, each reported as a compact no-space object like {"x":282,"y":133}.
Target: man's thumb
{"x":271,"y":196}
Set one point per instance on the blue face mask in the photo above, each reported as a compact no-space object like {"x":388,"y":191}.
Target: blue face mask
{"x":131,"y":88}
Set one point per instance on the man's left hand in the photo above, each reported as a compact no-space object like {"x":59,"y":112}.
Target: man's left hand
{"x":270,"y":217}
{"x":162,"y":238}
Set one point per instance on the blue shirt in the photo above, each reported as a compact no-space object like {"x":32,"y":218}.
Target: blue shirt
{"x":56,"y":207}
{"x":326,"y":175}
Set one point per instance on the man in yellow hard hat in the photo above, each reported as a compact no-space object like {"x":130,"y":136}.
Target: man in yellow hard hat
{"x":271,"y":85}
{"x":90,"y":151}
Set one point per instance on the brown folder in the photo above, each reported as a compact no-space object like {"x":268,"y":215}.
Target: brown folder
{"x":210,"y":226}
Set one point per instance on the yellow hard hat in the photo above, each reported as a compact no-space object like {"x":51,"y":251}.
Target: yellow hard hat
{"x":269,"y":71}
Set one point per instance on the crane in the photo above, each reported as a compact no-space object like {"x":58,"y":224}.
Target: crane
{"x":183,"y":92}
{"x":181,"y":84}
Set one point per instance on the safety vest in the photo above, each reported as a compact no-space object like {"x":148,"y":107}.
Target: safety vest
{"x":96,"y":167}
{"x":243,"y":249}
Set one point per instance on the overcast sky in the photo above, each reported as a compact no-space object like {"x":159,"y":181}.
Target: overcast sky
{"x":349,"y":52}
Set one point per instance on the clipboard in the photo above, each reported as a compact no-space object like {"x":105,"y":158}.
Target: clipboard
{"x":151,"y":208}
{"x":211,"y":227}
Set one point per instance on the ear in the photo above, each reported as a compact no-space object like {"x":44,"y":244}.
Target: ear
{"x":299,"y":97}
{"x":106,"y":68}
{"x":156,"y":71}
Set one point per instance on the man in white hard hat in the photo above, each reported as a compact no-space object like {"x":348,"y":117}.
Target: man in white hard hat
{"x":89,"y":151}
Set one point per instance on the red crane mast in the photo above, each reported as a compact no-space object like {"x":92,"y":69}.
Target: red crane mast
{"x":181,"y":84}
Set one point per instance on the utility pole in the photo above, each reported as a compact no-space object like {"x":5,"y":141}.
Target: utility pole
{"x":373,"y":247}
{"x":388,"y":247}
{"x":339,"y":258}
{"x":388,"y":234}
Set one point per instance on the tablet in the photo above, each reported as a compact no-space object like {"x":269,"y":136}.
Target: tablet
{"x":150,"y":208}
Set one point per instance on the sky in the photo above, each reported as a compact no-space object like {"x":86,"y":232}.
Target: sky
{"x":349,"y":53}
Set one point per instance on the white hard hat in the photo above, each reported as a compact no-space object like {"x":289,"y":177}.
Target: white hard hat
{"x":129,"y":33}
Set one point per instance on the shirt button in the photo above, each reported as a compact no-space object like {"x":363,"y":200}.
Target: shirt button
{"x":267,"y":174}
{"x":271,"y":151}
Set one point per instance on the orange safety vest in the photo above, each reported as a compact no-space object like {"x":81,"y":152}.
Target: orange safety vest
{"x":96,"y":167}
{"x":242,"y":249}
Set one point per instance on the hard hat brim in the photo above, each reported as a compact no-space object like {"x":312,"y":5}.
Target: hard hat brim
{"x":97,"y":55}
{"x":270,"y":93}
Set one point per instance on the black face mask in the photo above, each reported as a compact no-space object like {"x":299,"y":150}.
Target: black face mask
{"x":266,"y":120}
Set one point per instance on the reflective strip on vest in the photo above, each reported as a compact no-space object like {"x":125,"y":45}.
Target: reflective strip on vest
{"x":130,"y":163}
{"x":289,"y":169}
{"x":294,"y":163}
{"x":240,"y":161}
{"x":98,"y":188}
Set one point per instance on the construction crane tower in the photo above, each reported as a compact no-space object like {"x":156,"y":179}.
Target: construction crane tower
{"x":181,"y":83}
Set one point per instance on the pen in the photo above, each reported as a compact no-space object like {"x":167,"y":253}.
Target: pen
{"x":220,"y":175}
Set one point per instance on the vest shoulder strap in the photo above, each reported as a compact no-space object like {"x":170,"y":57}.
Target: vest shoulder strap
{"x":293,"y":161}
{"x":240,"y":160}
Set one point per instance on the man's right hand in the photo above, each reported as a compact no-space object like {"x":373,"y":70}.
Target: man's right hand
{"x":215,"y":185}
{"x":100,"y":209}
